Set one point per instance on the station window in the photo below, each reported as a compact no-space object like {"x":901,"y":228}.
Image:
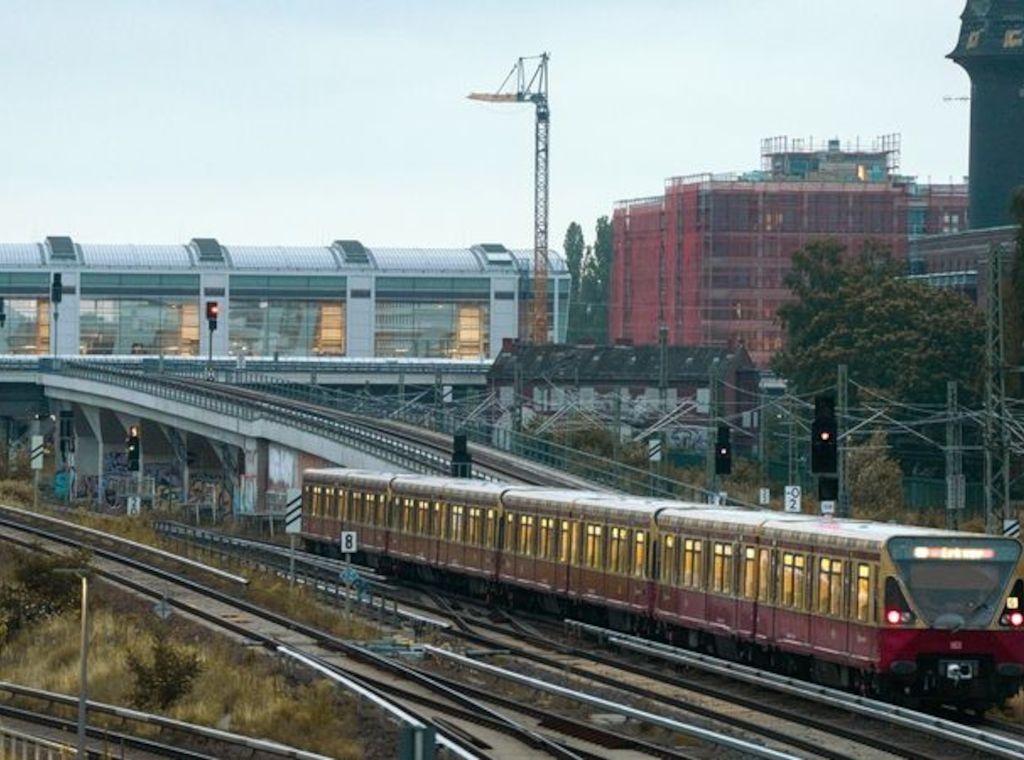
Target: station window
{"x":750,"y":573}
{"x":526,"y":535}
{"x":669,"y":566}
{"x":457,"y":517}
{"x":862,"y":603}
{"x":764,"y":575}
{"x":547,"y":547}
{"x":475,"y":526}
{"x":593,"y":555}
{"x":618,"y":550}
{"x":830,"y":586}
{"x":693,"y":563}
{"x":721,"y":576}
{"x":640,"y":554}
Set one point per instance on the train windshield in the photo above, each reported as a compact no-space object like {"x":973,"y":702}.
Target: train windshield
{"x":955,"y":582}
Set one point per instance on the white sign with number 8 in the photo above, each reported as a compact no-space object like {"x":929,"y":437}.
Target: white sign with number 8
{"x":349,"y":545}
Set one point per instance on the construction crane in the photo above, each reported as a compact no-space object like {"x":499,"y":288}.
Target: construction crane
{"x":533,"y":89}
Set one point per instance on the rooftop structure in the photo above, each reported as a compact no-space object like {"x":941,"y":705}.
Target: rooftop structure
{"x":991,"y":51}
{"x":346,"y":299}
{"x":707,"y":259}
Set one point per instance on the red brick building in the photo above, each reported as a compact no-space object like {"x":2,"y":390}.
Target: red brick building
{"x":708,"y":257}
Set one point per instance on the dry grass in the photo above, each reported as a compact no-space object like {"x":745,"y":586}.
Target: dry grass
{"x":239,"y":689}
{"x":16,"y":493}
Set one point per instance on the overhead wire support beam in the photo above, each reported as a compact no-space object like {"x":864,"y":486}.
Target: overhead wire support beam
{"x":533,"y":88}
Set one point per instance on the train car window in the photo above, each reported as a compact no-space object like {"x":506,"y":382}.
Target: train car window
{"x":526,"y":535}
{"x":593,"y":555}
{"x":314,"y":501}
{"x":474,"y":526}
{"x":439,"y":525}
{"x":640,"y":554}
{"x":547,"y":547}
{"x":669,"y":565}
{"x":693,"y":563}
{"x":408,"y":508}
{"x":722,"y":568}
{"x":422,"y":517}
{"x":565,"y":543}
{"x":800,"y":582}
{"x":830,"y":586}
{"x":750,"y":573}
{"x":788,"y":596}
{"x":862,"y":599}
{"x":510,"y":532}
{"x":764,"y":574}
{"x":492,"y":528}
{"x":577,"y":542}
{"x":617,"y":550}
{"x":456,"y":522}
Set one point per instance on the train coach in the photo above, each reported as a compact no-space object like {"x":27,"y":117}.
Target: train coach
{"x":922,"y":615}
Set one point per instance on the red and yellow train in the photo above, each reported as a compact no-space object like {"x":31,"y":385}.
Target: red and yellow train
{"x":922,"y":615}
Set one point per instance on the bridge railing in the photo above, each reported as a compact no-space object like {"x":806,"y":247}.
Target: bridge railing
{"x":443,"y":418}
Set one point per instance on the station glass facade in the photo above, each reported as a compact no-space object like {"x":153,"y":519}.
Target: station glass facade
{"x":442,"y":317}
{"x":139,"y":314}
{"x":287,"y":315}
{"x":27,"y":306}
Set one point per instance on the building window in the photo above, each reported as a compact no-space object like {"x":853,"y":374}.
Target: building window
{"x":28,"y":327}
{"x":158,"y":325}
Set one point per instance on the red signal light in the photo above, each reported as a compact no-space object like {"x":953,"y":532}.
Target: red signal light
{"x":825,"y":436}
{"x":212,"y":309}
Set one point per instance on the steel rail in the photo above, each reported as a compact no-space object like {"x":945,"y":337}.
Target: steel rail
{"x":473,"y":707}
{"x":136,"y":742}
{"x":712,"y":737}
{"x":209,"y":569}
{"x":930,"y":724}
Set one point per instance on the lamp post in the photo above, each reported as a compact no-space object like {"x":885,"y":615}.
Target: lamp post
{"x":83,"y":692}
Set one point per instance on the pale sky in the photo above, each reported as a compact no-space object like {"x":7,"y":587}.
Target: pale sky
{"x":304,"y":121}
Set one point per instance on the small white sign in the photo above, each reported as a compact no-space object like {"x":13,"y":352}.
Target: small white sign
{"x":792,"y":498}
{"x":654,"y":449}
{"x":828,"y":507}
{"x":134,"y":505}
{"x":764,"y":497}
{"x":37,"y":452}
{"x":349,"y":545}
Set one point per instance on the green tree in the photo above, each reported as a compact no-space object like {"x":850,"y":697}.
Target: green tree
{"x":165,"y":675}
{"x":596,"y":284}
{"x":574,"y":248}
{"x":902,"y":338}
{"x":875,"y":480}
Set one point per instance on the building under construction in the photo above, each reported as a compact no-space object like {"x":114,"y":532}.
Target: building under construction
{"x":707,"y":259}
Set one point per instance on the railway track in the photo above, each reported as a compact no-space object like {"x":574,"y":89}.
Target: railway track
{"x":706,"y":694}
{"x":432,"y":694}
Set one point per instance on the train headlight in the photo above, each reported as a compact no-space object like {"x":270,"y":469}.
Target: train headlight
{"x":1017,"y":619}
{"x":898,"y":617}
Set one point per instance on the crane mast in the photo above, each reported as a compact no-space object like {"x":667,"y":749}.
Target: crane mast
{"x":533,"y":89}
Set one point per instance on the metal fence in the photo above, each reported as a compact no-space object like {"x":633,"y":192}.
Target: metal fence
{"x":15,"y":745}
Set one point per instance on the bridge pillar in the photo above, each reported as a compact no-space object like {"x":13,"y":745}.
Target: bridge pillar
{"x":91,"y":450}
{"x":178,"y":440}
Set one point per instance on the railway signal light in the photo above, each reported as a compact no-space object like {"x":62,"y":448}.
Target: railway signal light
{"x":723,"y":451}
{"x":56,"y":288}
{"x":3,"y":314}
{"x":134,"y":449}
{"x":212,"y":312}
{"x":824,"y":436}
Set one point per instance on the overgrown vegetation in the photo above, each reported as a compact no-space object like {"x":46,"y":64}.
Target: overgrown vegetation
{"x":164,"y":675}
{"x":36,"y":592}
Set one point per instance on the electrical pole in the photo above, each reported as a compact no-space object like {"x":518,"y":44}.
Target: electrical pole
{"x":710,"y":476}
{"x":997,"y":470}
{"x":954,"y":458}
{"x":843,"y":403}
{"x":791,"y":473}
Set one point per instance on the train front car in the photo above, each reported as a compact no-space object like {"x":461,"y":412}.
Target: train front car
{"x":952,"y":628}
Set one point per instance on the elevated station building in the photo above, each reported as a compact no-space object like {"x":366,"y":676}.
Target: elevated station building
{"x":707,"y":259}
{"x":345,"y":299}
